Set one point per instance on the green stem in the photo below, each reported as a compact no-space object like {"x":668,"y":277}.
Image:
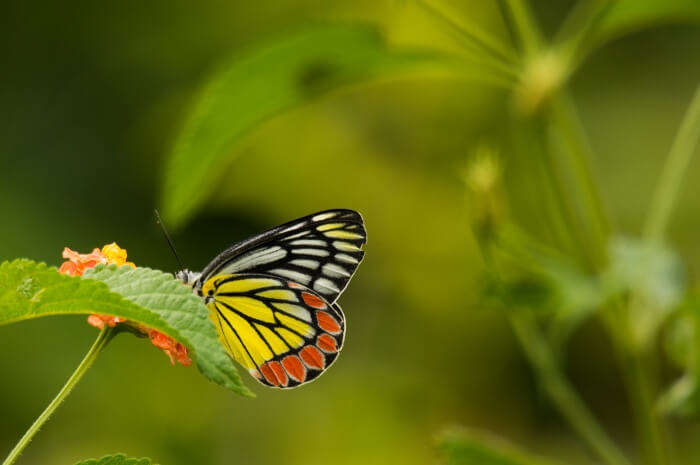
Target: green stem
{"x":525,"y":26}
{"x":473,"y":35}
{"x":672,"y":175}
{"x":578,"y":152}
{"x":104,"y":337}
{"x":486,"y":50}
{"x":561,"y":392}
{"x":639,"y":385}
{"x":574,"y":37}
{"x":647,"y":418}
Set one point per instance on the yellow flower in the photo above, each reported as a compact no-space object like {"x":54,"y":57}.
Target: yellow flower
{"x":115,"y":255}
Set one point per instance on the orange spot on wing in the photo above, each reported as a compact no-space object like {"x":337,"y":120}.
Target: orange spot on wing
{"x":327,"y":343}
{"x":279,"y":373}
{"x":255,"y":373}
{"x":294,"y":285}
{"x":269,"y":374}
{"x":294,"y":368}
{"x":312,"y":300}
{"x":327,"y":322}
{"x":313,"y":357}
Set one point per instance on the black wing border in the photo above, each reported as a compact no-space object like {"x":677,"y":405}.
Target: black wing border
{"x":277,"y":233}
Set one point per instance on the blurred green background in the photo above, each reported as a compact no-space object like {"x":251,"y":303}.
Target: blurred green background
{"x":92,"y":96}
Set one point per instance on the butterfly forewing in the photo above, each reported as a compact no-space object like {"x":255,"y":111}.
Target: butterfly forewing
{"x":284,"y":333}
{"x":320,"y":251}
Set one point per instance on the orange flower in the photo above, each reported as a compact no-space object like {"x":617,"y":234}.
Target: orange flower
{"x":112,"y":254}
{"x":77,"y":263}
{"x":170,"y":346}
{"x":99,"y":321}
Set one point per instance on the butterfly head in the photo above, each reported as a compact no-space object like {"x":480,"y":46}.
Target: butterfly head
{"x":188,"y":277}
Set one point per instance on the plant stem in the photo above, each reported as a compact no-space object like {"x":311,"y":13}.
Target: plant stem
{"x":575,"y":35}
{"x":648,"y":424}
{"x":638,"y":383}
{"x":564,"y":120}
{"x":473,"y":35}
{"x":525,"y":26}
{"x":561,"y":392}
{"x":672,"y":175}
{"x":102,"y":339}
{"x":485,"y":49}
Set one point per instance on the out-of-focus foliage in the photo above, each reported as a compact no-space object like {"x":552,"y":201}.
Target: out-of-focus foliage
{"x":119,"y":459}
{"x":627,"y":16}
{"x":462,"y":447}
{"x":264,"y":82}
{"x":94,"y":98}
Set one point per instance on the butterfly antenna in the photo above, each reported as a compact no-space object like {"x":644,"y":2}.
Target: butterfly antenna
{"x":167,"y":238}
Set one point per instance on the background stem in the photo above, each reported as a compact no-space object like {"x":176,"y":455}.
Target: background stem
{"x":525,"y":26}
{"x":672,"y":175}
{"x":561,"y":392}
{"x":102,"y":339}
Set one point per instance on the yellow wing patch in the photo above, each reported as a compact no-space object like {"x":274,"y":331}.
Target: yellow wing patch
{"x":249,"y":307}
{"x":284,"y":333}
{"x":223,"y":285}
{"x":280,"y":294}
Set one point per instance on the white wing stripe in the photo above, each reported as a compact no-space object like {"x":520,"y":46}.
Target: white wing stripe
{"x":325,"y":286}
{"x":255,"y":258}
{"x":341,"y":257}
{"x":335,"y":271}
{"x":294,"y":236}
{"x":301,"y":278}
{"x":316,"y":252}
{"x":316,"y":242}
{"x":324,"y":216}
{"x":312,"y":264}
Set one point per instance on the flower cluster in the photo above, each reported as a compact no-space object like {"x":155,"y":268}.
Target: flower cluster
{"x":111,"y":254}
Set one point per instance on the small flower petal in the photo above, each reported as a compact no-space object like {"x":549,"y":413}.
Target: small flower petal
{"x":112,"y":254}
{"x":69,"y":268}
{"x":80,"y":262}
{"x":115,"y":255}
{"x":96,"y":321}
{"x":173,"y":349}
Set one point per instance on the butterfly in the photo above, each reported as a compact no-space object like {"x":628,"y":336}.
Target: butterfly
{"x":273,"y":297}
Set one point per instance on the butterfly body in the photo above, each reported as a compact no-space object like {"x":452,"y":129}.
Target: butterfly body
{"x":273,"y":297}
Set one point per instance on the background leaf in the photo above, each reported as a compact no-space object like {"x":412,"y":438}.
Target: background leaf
{"x":463,"y":447}
{"x":119,"y":459}
{"x":682,"y":344}
{"x":270,"y":78}
{"x":653,"y":274}
{"x":627,"y":16}
{"x":150,"y":297}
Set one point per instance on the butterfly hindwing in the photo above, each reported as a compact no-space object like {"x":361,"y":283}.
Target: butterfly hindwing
{"x":320,"y":251}
{"x":284,"y":333}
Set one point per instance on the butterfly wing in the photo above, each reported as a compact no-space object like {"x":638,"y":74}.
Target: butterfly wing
{"x":321,"y":251}
{"x":284,"y":333}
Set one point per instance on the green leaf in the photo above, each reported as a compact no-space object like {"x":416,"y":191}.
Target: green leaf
{"x":119,"y":459}
{"x":463,"y":447}
{"x":652,"y":274}
{"x":682,"y":344}
{"x":149,"y":297}
{"x":273,"y":77}
{"x":166,"y":297}
{"x":682,"y":399}
{"x":541,"y":278}
{"x":627,"y":16}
